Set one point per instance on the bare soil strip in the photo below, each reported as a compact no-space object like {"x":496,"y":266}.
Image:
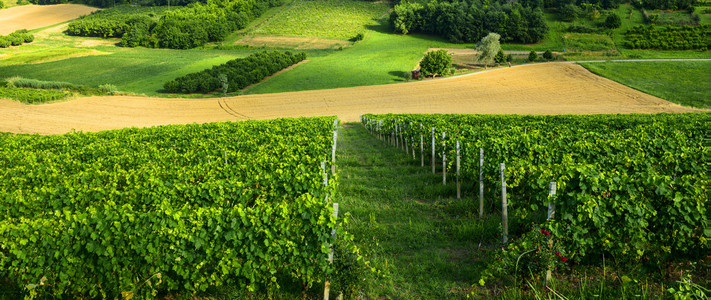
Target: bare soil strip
{"x":38,"y":16}
{"x":539,"y":89}
{"x":291,"y":42}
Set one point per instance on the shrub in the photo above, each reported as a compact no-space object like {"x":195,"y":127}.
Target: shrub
{"x":548,"y":55}
{"x":612,"y":21}
{"x":509,"y":58}
{"x":532,"y":56}
{"x":4,"y":43}
{"x":108,"y":89}
{"x":436,"y":62}
{"x":500,"y":57}
{"x":358,"y":37}
{"x":569,"y":12}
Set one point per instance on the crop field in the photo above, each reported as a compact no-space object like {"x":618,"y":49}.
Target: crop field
{"x":686,"y":83}
{"x":36,"y":16}
{"x":556,"y":88}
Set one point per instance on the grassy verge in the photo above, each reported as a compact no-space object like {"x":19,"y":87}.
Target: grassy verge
{"x":682,"y":82}
{"x":423,"y":242}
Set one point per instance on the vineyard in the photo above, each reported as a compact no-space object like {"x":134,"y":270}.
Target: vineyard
{"x":633,"y":186}
{"x":167,"y":209}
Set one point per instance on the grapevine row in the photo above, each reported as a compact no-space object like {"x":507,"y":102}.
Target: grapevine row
{"x":173,"y":208}
{"x":635,"y":186}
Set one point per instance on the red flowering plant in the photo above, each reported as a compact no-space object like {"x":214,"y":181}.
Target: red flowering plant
{"x":528,"y":256}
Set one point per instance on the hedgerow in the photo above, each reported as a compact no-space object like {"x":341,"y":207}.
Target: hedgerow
{"x":32,"y":96}
{"x":240,"y":73}
{"x":669,"y":37}
{"x":134,"y":212}
{"x":16,"y":38}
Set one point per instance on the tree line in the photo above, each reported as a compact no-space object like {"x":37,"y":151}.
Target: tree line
{"x":235,"y":74}
{"x":470,"y":20}
{"x":183,"y":28}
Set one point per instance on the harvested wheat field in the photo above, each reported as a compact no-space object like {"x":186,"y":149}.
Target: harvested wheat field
{"x":550,"y":88}
{"x":38,"y":16}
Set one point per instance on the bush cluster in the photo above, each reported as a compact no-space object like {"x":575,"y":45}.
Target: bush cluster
{"x":669,"y":38}
{"x":115,"y":22}
{"x":470,"y":20}
{"x":16,"y":38}
{"x":240,"y":73}
{"x":183,"y":28}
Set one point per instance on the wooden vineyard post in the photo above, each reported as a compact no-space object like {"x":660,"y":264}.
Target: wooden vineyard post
{"x":406,"y":150}
{"x":444,"y":161}
{"x":422,"y":151}
{"x":397,"y":141}
{"x":459,"y":185}
{"x":402,"y":141}
{"x":433,"y":151}
{"x":551,"y":214}
{"x":504,"y":211}
{"x":327,"y":286}
{"x":225,"y":157}
{"x":481,"y":183}
{"x":333,"y":150}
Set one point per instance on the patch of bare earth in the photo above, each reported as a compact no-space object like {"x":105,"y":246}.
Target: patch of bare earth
{"x":538,"y":89}
{"x":38,"y":16}
{"x":291,"y":42}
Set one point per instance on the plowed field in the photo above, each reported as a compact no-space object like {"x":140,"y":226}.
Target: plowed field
{"x":38,"y":16}
{"x":550,"y":88}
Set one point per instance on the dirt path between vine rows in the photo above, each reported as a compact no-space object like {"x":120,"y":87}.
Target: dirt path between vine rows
{"x":550,"y":88}
{"x":37,"y":16}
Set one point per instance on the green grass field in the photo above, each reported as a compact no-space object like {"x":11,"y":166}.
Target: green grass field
{"x":140,"y":71}
{"x":683,"y":82}
{"x":381,"y":58}
{"x":323,"y":18}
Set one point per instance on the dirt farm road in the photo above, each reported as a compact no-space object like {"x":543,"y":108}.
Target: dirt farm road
{"x":549,"y":88}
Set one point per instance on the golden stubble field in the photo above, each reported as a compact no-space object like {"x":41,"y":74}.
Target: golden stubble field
{"x":549,"y":88}
{"x":38,"y":16}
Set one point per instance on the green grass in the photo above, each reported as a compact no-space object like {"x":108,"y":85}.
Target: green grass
{"x":43,"y":54}
{"x":704,"y":19}
{"x":323,"y":18}
{"x":381,"y":58}
{"x":686,"y":83}
{"x":137,"y":70}
{"x":423,"y":241}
